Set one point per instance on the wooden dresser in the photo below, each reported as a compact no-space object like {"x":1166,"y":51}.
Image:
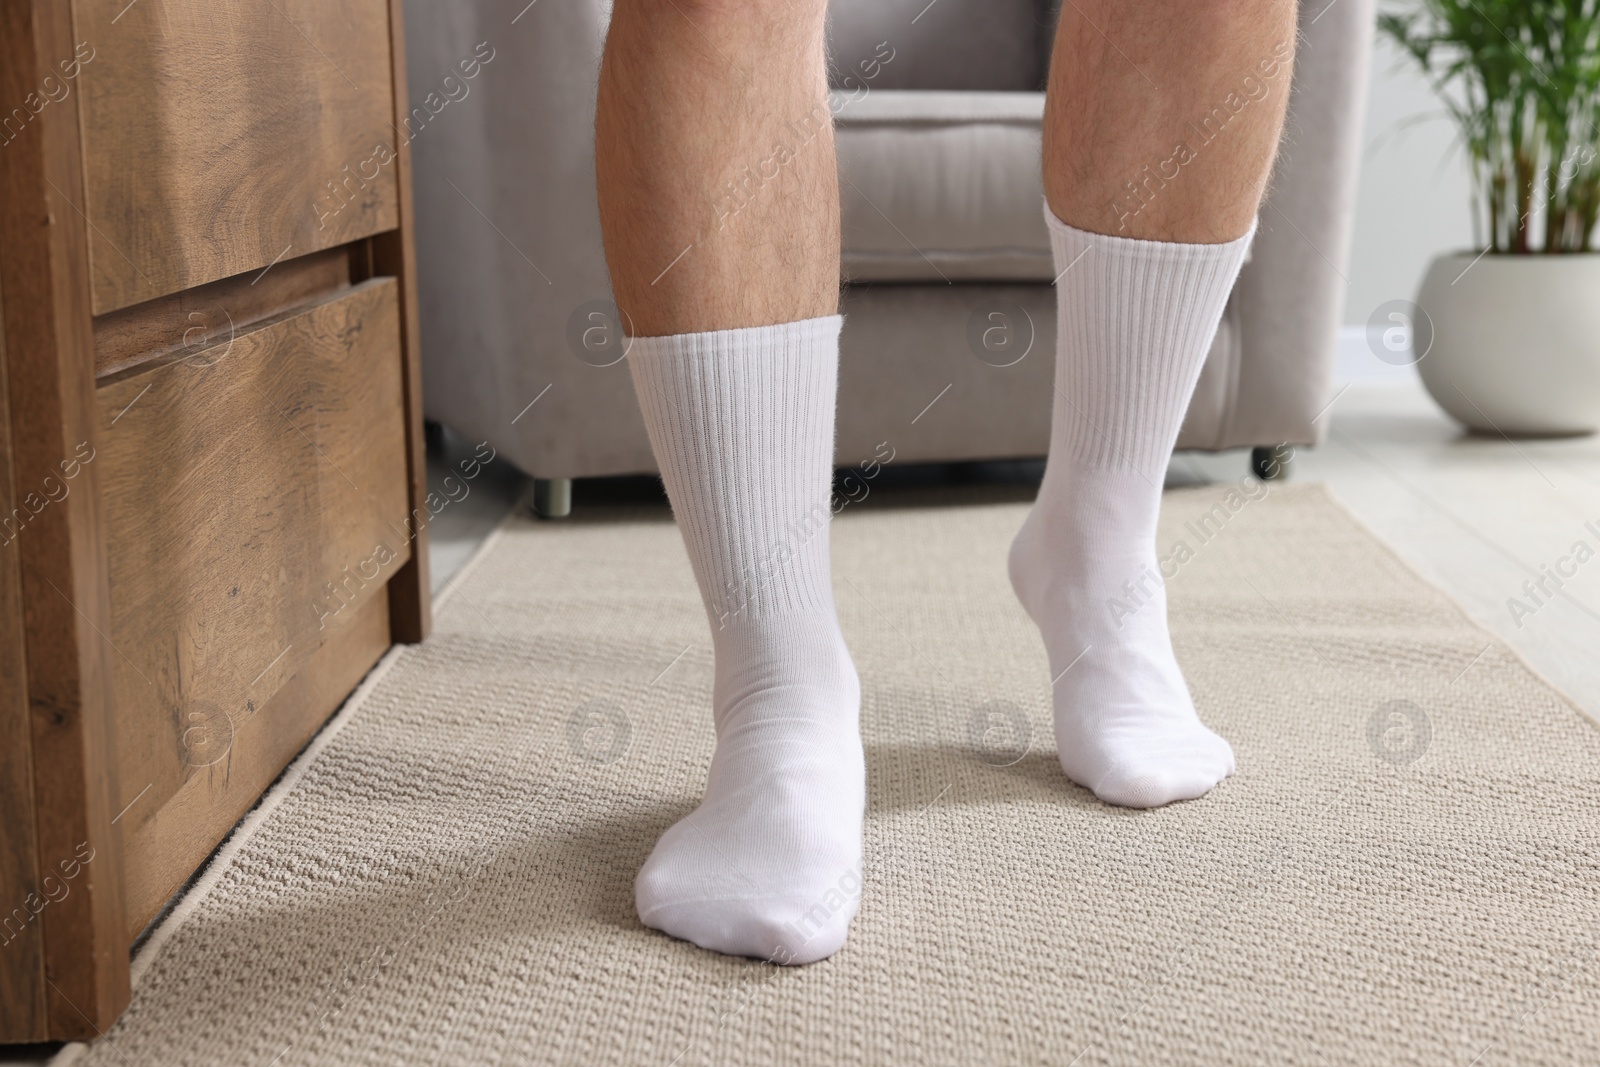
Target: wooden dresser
{"x":211,"y":467}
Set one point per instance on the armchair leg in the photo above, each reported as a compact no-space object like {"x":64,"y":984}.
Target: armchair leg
{"x":552,"y":497}
{"x":1271,"y":463}
{"x":433,"y":435}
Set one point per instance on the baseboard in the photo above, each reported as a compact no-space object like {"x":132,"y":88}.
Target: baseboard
{"x":1356,"y":360}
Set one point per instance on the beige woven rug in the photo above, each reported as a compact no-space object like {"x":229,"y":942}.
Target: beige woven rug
{"x":1403,"y":870}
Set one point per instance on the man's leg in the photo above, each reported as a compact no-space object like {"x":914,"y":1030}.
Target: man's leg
{"x":1132,"y":82}
{"x":719,"y":194}
{"x":1161,"y":123}
{"x":719,"y":207}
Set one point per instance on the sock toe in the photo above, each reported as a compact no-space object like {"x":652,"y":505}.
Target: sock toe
{"x":1154,"y":788}
{"x":1136,"y":784}
{"x":793,"y":929}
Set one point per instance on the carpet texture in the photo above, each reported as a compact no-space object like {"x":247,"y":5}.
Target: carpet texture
{"x":1404,"y":869}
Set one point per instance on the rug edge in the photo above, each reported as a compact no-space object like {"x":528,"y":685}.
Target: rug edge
{"x":245,"y":829}
{"x":1593,"y":720}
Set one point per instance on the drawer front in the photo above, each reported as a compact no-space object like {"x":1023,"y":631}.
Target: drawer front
{"x":220,"y":139}
{"x":255,"y":498}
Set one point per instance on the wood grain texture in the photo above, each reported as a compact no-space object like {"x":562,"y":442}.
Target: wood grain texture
{"x":196,"y":318}
{"x":22,"y":1015}
{"x":44,"y":285}
{"x":213,"y":573}
{"x":410,"y":594}
{"x":255,"y":496}
{"x":219,"y":139}
{"x":161,"y":852}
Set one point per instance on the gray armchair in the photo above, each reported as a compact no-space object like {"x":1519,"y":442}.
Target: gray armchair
{"x":949,"y":332}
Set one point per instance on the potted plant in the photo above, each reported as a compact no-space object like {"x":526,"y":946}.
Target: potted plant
{"x":1514,"y":346}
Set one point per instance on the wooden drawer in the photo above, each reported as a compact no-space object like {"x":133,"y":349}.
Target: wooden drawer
{"x":210,"y":444}
{"x":220,"y":138}
{"x":255,"y":508}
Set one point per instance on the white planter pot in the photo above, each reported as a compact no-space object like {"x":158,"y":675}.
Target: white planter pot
{"x":1516,"y":342}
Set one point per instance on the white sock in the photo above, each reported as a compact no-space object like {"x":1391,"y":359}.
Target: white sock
{"x":1135,"y":320}
{"x":769,"y":864}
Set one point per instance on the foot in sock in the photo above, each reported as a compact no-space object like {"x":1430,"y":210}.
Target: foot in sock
{"x":769,"y":864}
{"x":1126,"y":728}
{"x":1135,"y":320}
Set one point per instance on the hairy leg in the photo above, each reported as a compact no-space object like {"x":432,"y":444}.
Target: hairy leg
{"x":1160,"y":128}
{"x":1163,"y":116}
{"x":719,"y":194}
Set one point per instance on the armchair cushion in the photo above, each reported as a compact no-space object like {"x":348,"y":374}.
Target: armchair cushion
{"x":941,"y":186}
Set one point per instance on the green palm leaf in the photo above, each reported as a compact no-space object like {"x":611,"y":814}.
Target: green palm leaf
{"x":1521,"y":79}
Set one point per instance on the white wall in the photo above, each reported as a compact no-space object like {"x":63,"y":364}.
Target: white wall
{"x":1413,"y":198}
{"x":1412,"y":202}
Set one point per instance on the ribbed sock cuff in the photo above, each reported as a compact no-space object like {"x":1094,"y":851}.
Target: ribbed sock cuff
{"x":1135,"y":321}
{"x":741,"y":422}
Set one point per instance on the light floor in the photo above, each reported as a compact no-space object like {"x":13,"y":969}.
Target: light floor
{"x":468,"y":508}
